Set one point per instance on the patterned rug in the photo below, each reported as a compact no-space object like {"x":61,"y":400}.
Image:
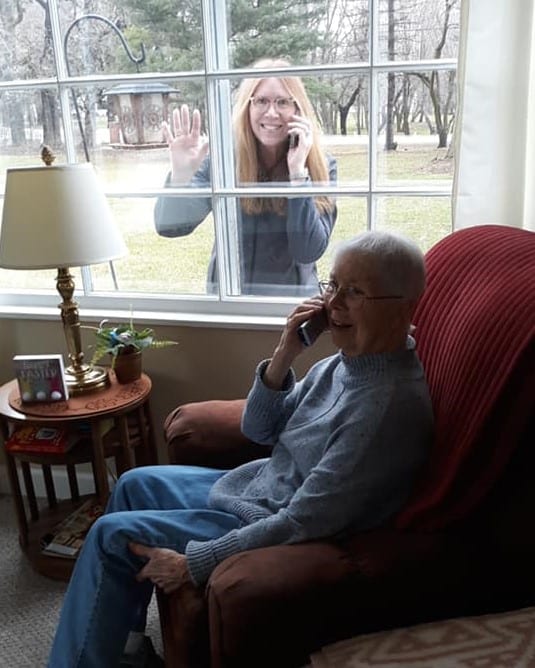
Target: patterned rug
{"x":30,"y":603}
{"x":504,"y":640}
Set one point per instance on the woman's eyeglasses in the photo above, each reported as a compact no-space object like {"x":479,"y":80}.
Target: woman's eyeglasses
{"x":282,"y":104}
{"x":349,"y":293}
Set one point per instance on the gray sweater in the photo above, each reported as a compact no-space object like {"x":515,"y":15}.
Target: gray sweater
{"x":348,"y":441}
{"x":277,"y":253}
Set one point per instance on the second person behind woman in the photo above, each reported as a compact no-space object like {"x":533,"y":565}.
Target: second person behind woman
{"x":276,"y":140}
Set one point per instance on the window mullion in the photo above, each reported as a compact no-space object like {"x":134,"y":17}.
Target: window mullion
{"x":218,"y":100}
{"x":61,"y":73}
{"x":373,"y":119}
{"x":63,"y":91}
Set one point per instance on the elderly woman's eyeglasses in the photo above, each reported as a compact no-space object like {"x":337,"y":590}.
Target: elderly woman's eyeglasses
{"x":349,"y":293}
{"x":282,"y":104}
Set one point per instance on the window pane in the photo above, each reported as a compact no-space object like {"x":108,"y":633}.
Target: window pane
{"x":308,"y":32}
{"x":27,"y":120}
{"x":416,"y":116}
{"x":337,"y":105}
{"x":171,"y":36}
{"x":281,"y":242}
{"x":40,"y":281}
{"x":26,"y":41}
{"x":425,"y":219}
{"x":351,"y":220}
{"x":418,"y":29}
{"x":341,"y":103}
{"x":155,"y":264}
{"x":121,"y":128}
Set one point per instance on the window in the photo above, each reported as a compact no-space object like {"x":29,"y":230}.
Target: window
{"x":94,"y":80}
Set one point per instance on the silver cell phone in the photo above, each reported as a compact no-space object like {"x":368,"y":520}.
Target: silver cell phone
{"x":294,"y":140}
{"x":310,"y":330}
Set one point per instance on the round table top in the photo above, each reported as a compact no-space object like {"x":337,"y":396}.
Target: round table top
{"x":91,"y":404}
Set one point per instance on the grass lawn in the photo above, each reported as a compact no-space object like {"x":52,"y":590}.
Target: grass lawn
{"x":170,"y":266}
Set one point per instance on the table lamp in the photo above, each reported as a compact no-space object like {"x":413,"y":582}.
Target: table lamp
{"x":56,"y":217}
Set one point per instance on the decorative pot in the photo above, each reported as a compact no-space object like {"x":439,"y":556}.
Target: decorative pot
{"x":128,"y":367}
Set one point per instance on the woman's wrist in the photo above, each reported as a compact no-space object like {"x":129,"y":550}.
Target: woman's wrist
{"x":299,"y":175}
{"x":180,"y":177}
{"x":277,"y":369}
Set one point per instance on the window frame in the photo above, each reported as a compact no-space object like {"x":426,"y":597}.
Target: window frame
{"x":217,"y":75}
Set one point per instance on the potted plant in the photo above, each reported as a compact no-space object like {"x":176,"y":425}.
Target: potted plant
{"x":125,"y":344}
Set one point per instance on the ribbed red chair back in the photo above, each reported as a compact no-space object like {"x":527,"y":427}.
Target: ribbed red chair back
{"x":475,"y":329}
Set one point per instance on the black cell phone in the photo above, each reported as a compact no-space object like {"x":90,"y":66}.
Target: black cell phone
{"x":311,"y":329}
{"x":294,"y":140}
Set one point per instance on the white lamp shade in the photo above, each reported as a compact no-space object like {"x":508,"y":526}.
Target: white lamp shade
{"x":57,"y":216}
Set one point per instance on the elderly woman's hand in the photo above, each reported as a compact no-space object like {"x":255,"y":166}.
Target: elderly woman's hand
{"x":290,"y":339}
{"x":187,"y":147}
{"x":290,"y":344}
{"x":165,"y":568}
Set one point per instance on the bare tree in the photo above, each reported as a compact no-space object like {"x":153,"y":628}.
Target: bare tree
{"x":436,"y":82}
{"x":419,"y":29}
{"x":344,"y":32}
{"x":26,"y":42}
{"x":11,"y":17}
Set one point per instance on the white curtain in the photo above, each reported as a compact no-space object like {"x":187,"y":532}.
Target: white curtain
{"x":495,"y":128}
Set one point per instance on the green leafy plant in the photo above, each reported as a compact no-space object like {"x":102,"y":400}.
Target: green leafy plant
{"x":122,"y":340}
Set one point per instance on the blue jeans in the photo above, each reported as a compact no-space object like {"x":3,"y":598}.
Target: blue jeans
{"x":160,"y":506}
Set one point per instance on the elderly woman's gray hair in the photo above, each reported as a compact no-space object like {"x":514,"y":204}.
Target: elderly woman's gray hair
{"x":398,"y":261}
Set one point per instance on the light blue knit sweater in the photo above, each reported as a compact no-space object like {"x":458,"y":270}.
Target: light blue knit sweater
{"x":348,"y":441}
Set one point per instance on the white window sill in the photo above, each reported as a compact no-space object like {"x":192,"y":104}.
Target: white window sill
{"x":227,"y":321}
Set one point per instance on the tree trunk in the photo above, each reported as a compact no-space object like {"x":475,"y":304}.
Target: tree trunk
{"x":443,"y":137}
{"x":344,"y":112}
{"x":359,"y":117}
{"x":51,"y":130}
{"x":15,"y":114}
{"x":405,"y":106}
{"x":429,"y":122}
{"x":343,"y":109}
{"x":89,"y":119}
{"x":390,"y":144}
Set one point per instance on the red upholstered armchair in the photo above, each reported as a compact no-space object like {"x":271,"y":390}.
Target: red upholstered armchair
{"x":465,"y":542}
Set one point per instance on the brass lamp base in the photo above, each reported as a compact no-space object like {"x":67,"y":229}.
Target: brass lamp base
{"x":79,"y":377}
{"x":86,"y":379}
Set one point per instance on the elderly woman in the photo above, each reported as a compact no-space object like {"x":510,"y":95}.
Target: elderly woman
{"x":348,"y":441}
{"x":276,"y":140}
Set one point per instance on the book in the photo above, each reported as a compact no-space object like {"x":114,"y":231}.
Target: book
{"x":35,"y":438}
{"x":41,"y":378}
{"x":67,"y":537}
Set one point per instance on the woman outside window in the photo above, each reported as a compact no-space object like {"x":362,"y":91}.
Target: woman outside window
{"x":277,"y":140}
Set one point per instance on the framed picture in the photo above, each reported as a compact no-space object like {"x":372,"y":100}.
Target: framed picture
{"x":41,"y":378}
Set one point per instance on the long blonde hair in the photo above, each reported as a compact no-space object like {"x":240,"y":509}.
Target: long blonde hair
{"x":248,"y":165}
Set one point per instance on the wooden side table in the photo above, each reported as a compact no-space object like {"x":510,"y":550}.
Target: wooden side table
{"x":130,"y":442}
